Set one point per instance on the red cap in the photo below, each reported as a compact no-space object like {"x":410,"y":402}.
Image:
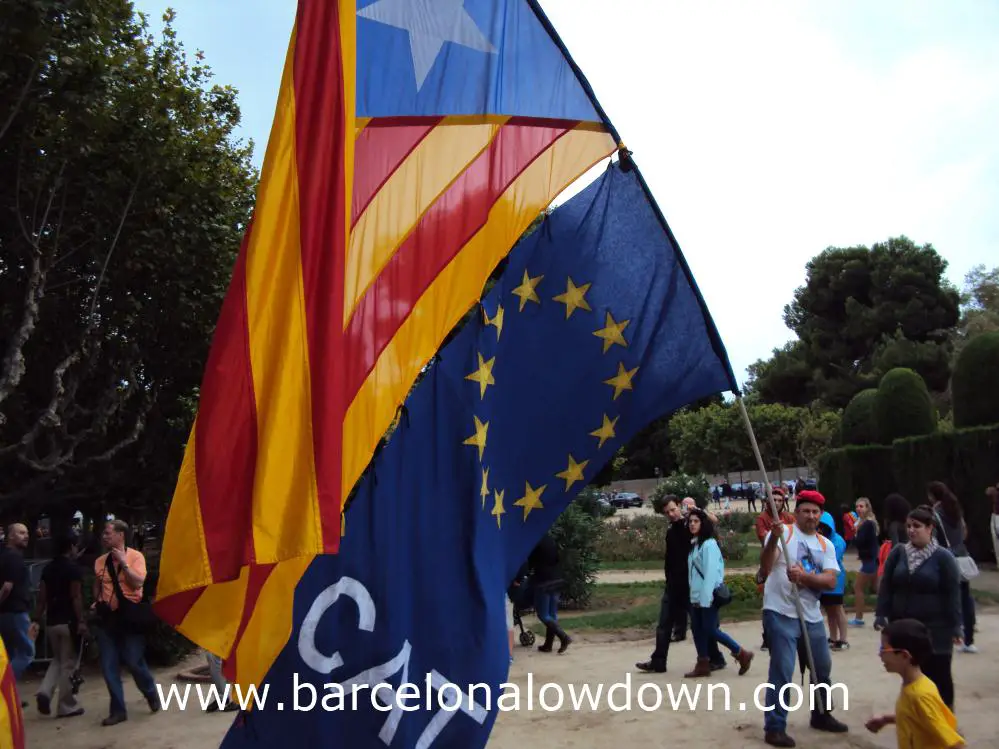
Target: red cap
{"x":809,"y":495}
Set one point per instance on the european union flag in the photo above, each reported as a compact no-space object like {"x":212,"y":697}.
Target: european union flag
{"x":593,"y":330}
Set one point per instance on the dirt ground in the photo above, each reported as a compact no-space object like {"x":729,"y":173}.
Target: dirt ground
{"x":596,"y":659}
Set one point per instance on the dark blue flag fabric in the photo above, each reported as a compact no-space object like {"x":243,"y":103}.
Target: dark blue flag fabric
{"x":593,"y":330}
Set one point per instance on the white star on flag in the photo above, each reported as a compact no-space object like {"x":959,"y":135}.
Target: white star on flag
{"x":430,"y":24}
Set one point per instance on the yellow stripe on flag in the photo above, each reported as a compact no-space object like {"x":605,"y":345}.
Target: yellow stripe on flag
{"x":285,"y":496}
{"x":439,"y":159}
{"x":447,"y":299}
{"x":184,"y":536}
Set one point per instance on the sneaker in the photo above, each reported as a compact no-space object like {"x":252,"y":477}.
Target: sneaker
{"x":114,"y":719}
{"x":969,"y":648}
{"x":856,"y":622}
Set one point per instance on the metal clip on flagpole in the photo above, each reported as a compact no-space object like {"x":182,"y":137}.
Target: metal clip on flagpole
{"x":783,"y":544}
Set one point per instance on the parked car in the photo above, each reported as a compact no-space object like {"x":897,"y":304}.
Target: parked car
{"x":626,"y":499}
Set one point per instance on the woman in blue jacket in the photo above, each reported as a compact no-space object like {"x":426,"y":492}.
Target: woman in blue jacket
{"x":706,"y":571}
{"x":832,"y":601}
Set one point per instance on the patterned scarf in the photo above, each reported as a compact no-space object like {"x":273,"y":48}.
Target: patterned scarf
{"x":915,"y":557}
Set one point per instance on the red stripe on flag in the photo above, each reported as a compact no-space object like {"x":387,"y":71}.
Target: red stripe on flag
{"x":440,"y":234}
{"x":381,"y":147}
{"x":258,"y":576}
{"x":8,"y":688}
{"x":320,"y":134}
{"x":226,"y":437}
{"x":173,"y":609}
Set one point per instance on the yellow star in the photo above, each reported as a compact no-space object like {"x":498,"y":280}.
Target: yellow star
{"x":484,"y":491}
{"x":531,"y":500}
{"x":526,"y":290}
{"x":483,"y":375}
{"x":479,"y":438}
{"x":606,"y":431}
{"x":496,"y":321}
{"x":574,"y":298}
{"x":622,"y":380}
{"x":498,"y":507}
{"x":573,"y":473}
{"x":612,"y":333}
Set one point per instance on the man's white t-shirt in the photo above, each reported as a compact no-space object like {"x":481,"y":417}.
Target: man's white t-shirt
{"x":808,"y":551}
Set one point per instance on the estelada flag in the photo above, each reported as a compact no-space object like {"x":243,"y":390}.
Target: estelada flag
{"x":11,"y":717}
{"x":412,"y":145}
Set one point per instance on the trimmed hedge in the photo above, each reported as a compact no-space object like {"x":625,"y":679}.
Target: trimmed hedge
{"x":859,"y":427}
{"x":903,"y":407}
{"x":967,"y":460}
{"x":975,"y":395}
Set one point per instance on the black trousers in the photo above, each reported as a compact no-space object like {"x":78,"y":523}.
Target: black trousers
{"x":674,"y":608}
{"x":938,"y":670}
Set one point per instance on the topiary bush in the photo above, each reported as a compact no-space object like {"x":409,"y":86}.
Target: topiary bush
{"x":576,"y":534}
{"x":902,"y":406}
{"x":859,"y":426}
{"x":973,"y":385}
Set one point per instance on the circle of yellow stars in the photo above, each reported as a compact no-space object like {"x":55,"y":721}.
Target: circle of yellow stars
{"x":611,"y":334}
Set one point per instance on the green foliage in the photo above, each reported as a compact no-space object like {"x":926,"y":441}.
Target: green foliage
{"x":576,"y":534}
{"x":976,"y":382}
{"x":964,"y":459}
{"x":979,"y":305}
{"x":856,"y":314}
{"x":685,"y":485}
{"x":737,"y":522}
{"x":587,"y":501}
{"x":819,"y":432}
{"x":850,"y":472}
{"x":859,"y":422}
{"x":642,"y":537}
{"x":902,"y":406}
{"x":733,"y":546}
{"x":117,"y":242}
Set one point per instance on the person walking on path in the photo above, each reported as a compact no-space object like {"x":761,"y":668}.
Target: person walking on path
{"x":120,"y":569}
{"x":16,"y":628}
{"x":60,"y":606}
{"x":952,"y":533}
{"x":867,"y":551}
{"x":707,"y":572}
{"x":921,"y":718}
{"x":832,"y":602}
{"x":674,"y":606}
{"x":921,"y":581}
{"x":992,"y":493}
{"x":546,"y":582}
{"x":811,"y":569}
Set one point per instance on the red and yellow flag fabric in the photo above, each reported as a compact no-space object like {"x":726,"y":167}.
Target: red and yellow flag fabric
{"x":412,"y":145}
{"x":11,"y":717}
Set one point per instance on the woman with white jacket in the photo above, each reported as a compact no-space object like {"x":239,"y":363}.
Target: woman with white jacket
{"x":706,"y":571}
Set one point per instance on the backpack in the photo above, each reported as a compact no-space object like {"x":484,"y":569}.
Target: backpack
{"x":822,"y":539}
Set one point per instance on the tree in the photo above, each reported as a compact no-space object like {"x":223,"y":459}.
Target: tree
{"x":979,"y":305}
{"x":856,"y":312}
{"x":859,"y":425}
{"x":819,"y":432}
{"x":124,"y":201}
{"x":902,"y":407}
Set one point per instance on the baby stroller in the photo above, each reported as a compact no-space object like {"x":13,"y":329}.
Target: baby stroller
{"x":522,"y":599}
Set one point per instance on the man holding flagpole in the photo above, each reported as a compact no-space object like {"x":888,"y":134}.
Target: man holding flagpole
{"x":813,"y":569}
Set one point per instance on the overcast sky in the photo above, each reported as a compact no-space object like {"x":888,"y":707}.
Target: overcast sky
{"x":767,"y":131}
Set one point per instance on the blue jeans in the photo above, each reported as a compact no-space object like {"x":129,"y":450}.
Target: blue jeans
{"x":968,"y":613}
{"x":546,"y":606}
{"x":129,"y":649}
{"x":784,"y":634}
{"x":707,"y":633}
{"x":20,"y":648}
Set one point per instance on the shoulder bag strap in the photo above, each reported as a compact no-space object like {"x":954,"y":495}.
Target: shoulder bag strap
{"x":942,"y":529}
{"x":114,"y":579}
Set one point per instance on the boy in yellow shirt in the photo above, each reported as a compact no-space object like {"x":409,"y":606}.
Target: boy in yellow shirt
{"x":921,"y":718}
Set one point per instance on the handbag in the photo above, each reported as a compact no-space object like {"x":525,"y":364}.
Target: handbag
{"x":136,"y":616}
{"x":722,"y":594}
{"x":966,"y":566}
